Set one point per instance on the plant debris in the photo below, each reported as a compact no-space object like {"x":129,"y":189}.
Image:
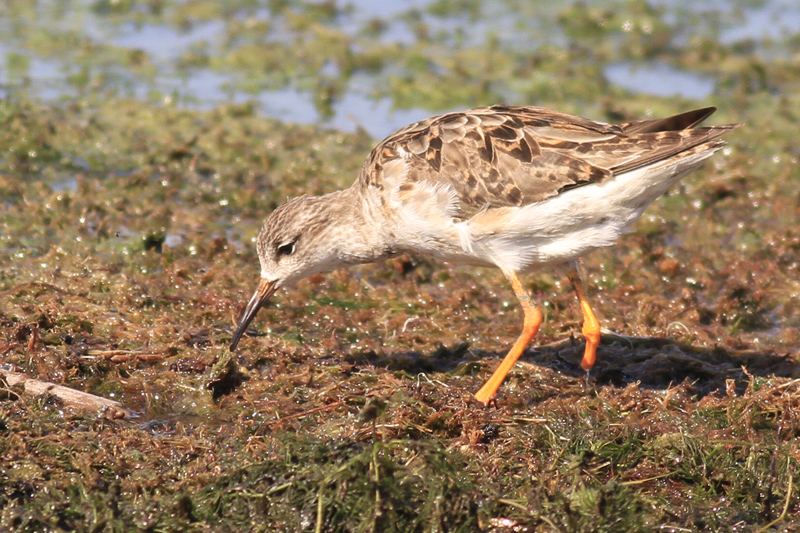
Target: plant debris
{"x":127,"y":244}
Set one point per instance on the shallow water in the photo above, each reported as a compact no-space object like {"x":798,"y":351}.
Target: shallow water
{"x":184,"y":54}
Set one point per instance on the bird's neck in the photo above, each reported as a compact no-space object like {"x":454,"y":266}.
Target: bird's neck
{"x":358,"y":221}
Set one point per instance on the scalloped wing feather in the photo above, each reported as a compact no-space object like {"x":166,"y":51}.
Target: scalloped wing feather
{"x":514,"y":156}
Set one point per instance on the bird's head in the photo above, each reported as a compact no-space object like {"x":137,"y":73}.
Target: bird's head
{"x":297,"y":240}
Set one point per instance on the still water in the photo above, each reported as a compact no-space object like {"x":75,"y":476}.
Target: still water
{"x":198,"y":55}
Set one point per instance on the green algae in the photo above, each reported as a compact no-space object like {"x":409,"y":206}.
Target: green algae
{"x":126,"y":239}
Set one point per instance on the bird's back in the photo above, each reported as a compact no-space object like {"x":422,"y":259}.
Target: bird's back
{"x":503,"y":156}
{"x":521,"y":187}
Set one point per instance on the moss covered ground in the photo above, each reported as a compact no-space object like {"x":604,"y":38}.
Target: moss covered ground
{"x":127,"y":254}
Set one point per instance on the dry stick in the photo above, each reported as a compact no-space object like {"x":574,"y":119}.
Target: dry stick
{"x":123,"y":356}
{"x":71,"y":397}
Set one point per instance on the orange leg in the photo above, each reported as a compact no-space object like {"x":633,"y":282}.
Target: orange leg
{"x":533,"y":319}
{"x":591,"y":327}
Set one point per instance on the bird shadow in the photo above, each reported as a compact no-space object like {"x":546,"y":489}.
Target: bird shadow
{"x":653,"y":363}
{"x":657,"y":363}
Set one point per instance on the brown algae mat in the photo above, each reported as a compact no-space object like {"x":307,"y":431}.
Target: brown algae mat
{"x":127,"y":256}
{"x":348,"y":407}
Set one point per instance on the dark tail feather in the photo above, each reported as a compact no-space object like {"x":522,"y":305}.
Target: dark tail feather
{"x":683,"y":121}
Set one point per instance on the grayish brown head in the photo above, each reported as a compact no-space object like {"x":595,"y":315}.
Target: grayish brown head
{"x":304,"y":236}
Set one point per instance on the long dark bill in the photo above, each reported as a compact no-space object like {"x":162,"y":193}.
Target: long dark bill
{"x":262,"y":294}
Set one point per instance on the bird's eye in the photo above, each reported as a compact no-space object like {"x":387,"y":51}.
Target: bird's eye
{"x":285,"y":249}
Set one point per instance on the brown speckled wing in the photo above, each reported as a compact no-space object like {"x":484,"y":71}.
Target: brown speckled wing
{"x":512,"y":156}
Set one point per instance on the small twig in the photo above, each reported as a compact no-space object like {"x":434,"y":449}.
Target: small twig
{"x":645,"y":480}
{"x":431,"y":381}
{"x":407,"y":322}
{"x":146,"y":357}
{"x":320,"y":510}
{"x":72,"y":397}
{"x":785,"y":510}
{"x":682,"y":325}
{"x":123,"y":356}
{"x":306,"y":413}
{"x":513,"y":503}
{"x":32,"y":340}
{"x":522,"y":420}
{"x":788,"y":384}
